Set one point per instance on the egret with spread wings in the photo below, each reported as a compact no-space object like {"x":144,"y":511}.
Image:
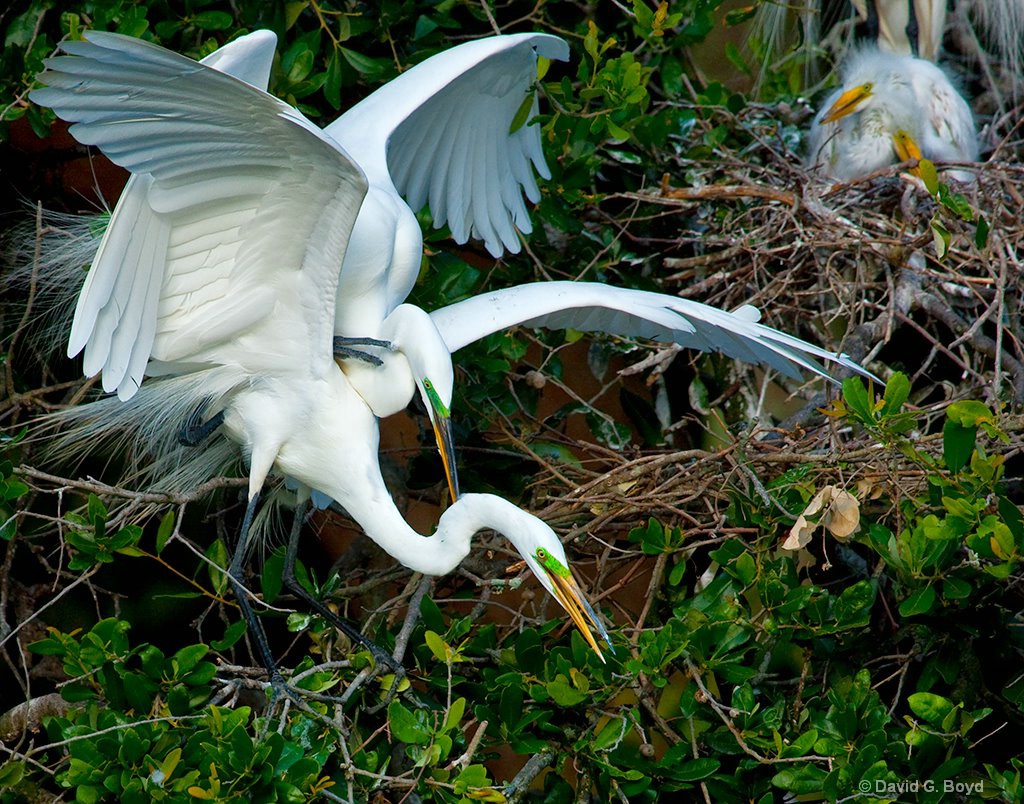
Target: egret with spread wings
{"x":248,"y":210}
{"x":444,"y":132}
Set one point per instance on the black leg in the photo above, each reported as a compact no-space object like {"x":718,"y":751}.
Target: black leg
{"x":292,"y":583}
{"x":195,"y":431}
{"x":242,"y":596}
{"x":913,"y":29}
{"x":872,"y":23}
{"x":343,"y":349}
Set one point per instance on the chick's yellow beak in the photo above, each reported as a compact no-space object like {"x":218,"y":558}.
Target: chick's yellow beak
{"x":848,"y":102}
{"x":574,"y":601}
{"x":906,"y":148}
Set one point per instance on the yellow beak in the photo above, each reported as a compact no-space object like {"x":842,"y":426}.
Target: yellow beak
{"x":847,"y":103}
{"x":906,"y":147}
{"x":446,"y":446}
{"x":571,"y":596}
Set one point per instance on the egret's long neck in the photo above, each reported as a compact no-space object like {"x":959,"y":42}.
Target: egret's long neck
{"x":441,"y":553}
{"x":334,"y":450}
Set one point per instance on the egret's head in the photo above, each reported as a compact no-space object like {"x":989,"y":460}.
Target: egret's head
{"x":440,"y":418}
{"x":416,"y":337}
{"x":848,"y":102}
{"x":543,"y":553}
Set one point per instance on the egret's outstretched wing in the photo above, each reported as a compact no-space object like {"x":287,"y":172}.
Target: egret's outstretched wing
{"x":593,"y":307}
{"x":248,"y":58}
{"x":250,"y":210}
{"x":441,"y":133}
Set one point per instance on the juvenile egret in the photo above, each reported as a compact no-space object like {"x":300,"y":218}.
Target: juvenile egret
{"x":883,"y":95}
{"x":233,"y":295}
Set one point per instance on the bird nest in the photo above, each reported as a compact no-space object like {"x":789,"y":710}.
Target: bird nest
{"x":900,"y":276}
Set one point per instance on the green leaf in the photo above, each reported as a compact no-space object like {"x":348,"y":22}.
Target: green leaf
{"x":930,"y":707}
{"x":920,"y":602}
{"x":929,"y":175}
{"x":218,"y":554}
{"x":332,"y":82}
{"x":474,"y":776}
{"x":941,"y":237}
{"x":300,"y":65}
{"x":981,"y":232}
{"x":563,"y":694}
{"x":610,"y":735}
{"x":212,"y":20}
{"x":232,"y":634}
{"x":695,"y":769}
{"x":455,"y":714}
{"x":552,"y":451}
{"x":187,"y":658}
{"x":522,"y":114}
{"x":897,"y":389}
{"x":404,"y":725}
{"x":424,"y":26}
{"x":165,"y":531}
{"x":746,"y":569}
{"x":437,"y":646}
{"x":271,"y":576}
{"x":292,"y":11}
{"x":855,"y":395}
{"x":372,"y":68}
{"x":11,"y":773}
{"x":957,"y":445}
{"x":970,"y":413}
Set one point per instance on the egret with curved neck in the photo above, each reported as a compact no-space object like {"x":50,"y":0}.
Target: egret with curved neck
{"x":234,"y":298}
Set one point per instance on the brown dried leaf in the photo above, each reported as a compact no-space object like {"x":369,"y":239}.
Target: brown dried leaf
{"x":840,"y":515}
{"x":842,"y":519}
{"x":800,"y":534}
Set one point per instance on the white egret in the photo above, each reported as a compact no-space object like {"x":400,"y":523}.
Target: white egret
{"x":883,"y":95}
{"x":250,"y":211}
{"x":443,"y":131}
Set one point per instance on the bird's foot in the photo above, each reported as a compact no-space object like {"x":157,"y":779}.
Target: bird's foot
{"x":195,"y":431}
{"x":343,"y":349}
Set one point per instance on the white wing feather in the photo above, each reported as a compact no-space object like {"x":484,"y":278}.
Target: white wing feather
{"x":238,"y":184}
{"x":440,"y":132}
{"x":594,"y":307}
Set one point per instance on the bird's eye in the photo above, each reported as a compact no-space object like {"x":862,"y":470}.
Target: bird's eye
{"x":542,"y":553}
{"x":428,"y":384}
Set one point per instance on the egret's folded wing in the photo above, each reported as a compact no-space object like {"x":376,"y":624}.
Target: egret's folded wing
{"x":949,"y":121}
{"x":442,"y":132}
{"x":593,"y":307}
{"x":250,"y":209}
